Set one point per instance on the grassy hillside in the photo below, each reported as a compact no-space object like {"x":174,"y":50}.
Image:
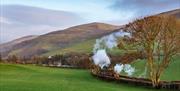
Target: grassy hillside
{"x":87,"y":47}
{"x":33,"y":78}
{"x":59,"y":39}
{"x":83,"y":47}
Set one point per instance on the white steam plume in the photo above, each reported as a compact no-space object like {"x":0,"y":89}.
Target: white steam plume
{"x":100,"y":56}
{"x":101,"y":59}
{"x":109,"y":41}
{"x":118,"y":68}
{"x":128,"y":69}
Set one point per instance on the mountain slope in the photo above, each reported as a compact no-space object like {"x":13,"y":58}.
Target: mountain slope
{"x":87,"y":46}
{"x":74,"y":39}
{"x":60,"y":39}
{"x":6,"y":47}
{"x":175,"y":13}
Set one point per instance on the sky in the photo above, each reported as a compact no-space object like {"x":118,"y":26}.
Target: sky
{"x":103,"y":10}
{"x":33,"y":17}
{"x":90,"y":10}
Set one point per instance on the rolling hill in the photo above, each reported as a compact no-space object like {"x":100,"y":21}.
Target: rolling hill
{"x":74,"y":39}
{"x":59,"y":39}
{"x":175,"y":13}
{"x":7,"y":46}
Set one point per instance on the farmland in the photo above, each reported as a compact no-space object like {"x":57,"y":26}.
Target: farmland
{"x":33,"y":78}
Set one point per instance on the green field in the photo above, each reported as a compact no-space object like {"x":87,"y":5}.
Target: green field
{"x":33,"y":78}
{"x":14,"y":77}
{"x":171,"y":73}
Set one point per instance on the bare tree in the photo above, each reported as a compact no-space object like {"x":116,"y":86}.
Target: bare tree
{"x":12,"y":59}
{"x":159,"y":37}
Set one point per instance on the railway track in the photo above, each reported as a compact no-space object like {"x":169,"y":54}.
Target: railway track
{"x":110,"y":76}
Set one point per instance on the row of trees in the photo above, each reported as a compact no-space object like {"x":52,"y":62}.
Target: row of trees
{"x":16,"y":59}
{"x":159,"y":36}
{"x":78,"y":60}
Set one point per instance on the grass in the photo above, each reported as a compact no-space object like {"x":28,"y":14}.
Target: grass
{"x":171,"y":73}
{"x":15,"y":77}
{"x":83,"y":47}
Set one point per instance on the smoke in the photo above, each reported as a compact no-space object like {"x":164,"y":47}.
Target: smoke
{"x":118,"y":68}
{"x":101,"y":59}
{"x":127,"y":68}
{"x":100,"y":56}
{"x":109,"y":41}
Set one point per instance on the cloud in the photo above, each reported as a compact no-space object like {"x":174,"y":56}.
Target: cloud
{"x":4,"y":20}
{"x":34,"y":15}
{"x":145,"y":7}
{"x":18,"y":20}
